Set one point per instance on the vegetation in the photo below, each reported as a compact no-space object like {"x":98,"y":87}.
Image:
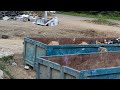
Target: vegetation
{"x":94,"y":14}
{"x":6,"y":59}
{"x":3,"y":63}
{"x":39,"y":13}
{"x":102,"y":20}
{"x":101,"y":16}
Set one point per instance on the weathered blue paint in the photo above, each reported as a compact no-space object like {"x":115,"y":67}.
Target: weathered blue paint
{"x":99,"y":73}
{"x":44,"y":69}
{"x":34,"y":49}
{"x":72,"y":72}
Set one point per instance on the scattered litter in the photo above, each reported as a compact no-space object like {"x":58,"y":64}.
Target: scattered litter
{"x":24,"y":15}
{"x":105,"y":41}
{"x":26,"y":67}
{"x":43,"y":21}
{"x":97,"y":42}
{"x":33,"y":19}
{"x":6,"y":18}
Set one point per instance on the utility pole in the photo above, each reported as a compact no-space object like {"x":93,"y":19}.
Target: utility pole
{"x":45,"y":16}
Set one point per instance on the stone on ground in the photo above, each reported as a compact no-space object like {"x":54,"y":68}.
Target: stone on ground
{"x":14,"y":64}
{"x":1,"y":74}
{"x":4,"y":52}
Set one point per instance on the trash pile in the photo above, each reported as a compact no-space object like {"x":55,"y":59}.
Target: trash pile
{"x":112,"y":41}
{"x":20,"y":16}
{"x":5,"y":15}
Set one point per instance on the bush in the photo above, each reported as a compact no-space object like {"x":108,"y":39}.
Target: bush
{"x":102,"y":20}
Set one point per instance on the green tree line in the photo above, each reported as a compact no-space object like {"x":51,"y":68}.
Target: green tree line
{"x":110,"y":13}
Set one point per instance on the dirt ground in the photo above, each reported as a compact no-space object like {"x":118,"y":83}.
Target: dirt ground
{"x":68,"y":27}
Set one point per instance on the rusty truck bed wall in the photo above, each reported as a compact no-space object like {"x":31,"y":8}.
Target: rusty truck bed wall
{"x":87,"y":61}
{"x":82,"y":66}
{"x":63,"y":41}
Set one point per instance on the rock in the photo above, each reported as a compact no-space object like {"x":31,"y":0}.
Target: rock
{"x":14,"y":64}
{"x":10,"y":61}
{"x":54,"y":43}
{"x":102,"y":49}
{"x":74,"y":40}
{"x":5,"y":36}
{"x":1,"y":74}
{"x":105,"y":41}
{"x":97,"y":42}
{"x":4,"y":52}
{"x":26,"y":67}
{"x":84,"y":43}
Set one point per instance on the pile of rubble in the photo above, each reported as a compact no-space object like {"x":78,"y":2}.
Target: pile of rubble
{"x":112,"y":41}
{"x":10,"y":14}
{"x":38,"y":20}
{"x":21,"y":16}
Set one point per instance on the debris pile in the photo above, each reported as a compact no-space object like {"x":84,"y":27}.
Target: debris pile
{"x":10,"y":14}
{"x":38,"y":20}
{"x":112,"y":41}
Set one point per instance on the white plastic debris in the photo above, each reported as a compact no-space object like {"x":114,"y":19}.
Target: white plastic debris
{"x":6,"y":18}
{"x":25,"y":15}
{"x":26,"y":67}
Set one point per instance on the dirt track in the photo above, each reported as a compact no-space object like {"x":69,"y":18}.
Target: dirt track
{"x":68,"y":27}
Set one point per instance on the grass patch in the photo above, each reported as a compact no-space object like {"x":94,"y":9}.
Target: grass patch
{"x":77,"y":14}
{"x":5,"y":70}
{"x":6,"y":59}
{"x":89,"y":15}
{"x":3,"y":63}
{"x":102,"y":20}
